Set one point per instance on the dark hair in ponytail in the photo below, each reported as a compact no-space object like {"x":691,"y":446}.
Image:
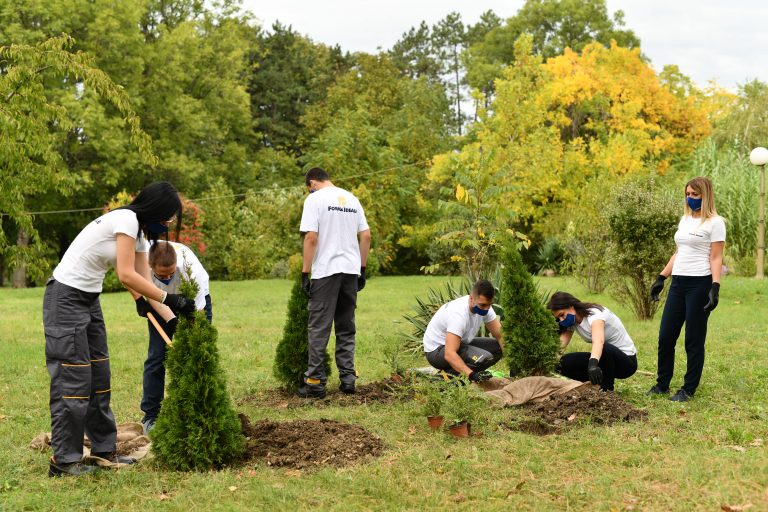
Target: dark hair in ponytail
{"x":564,"y":300}
{"x":157,"y":202}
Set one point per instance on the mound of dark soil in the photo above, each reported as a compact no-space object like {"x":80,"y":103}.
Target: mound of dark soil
{"x":558,"y":413}
{"x":379,"y":392}
{"x":306,"y":444}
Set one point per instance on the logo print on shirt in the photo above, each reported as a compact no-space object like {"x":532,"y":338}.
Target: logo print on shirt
{"x":342,"y":201}
{"x":694,"y":233}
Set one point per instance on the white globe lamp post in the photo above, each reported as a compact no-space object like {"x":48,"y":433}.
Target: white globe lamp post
{"x":759,"y":157}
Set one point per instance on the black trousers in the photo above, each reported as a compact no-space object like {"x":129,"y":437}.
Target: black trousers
{"x":614,"y":363}
{"x":77,"y":358}
{"x":154,"y":367}
{"x":479,"y":354}
{"x":685,"y":305}
{"x":332,"y":303}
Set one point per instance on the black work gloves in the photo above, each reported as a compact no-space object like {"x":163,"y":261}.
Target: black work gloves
{"x":594,"y":371}
{"x":170,"y":327}
{"x":361,"y":279}
{"x":714,"y":297}
{"x":657,"y":287}
{"x":179,"y":304}
{"x":479,"y":376}
{"x":143,"y":307}
{"x":305,"y":283}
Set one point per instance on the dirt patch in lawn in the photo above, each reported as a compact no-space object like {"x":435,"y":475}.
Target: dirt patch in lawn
{"x":379,"y":392}
{"x":585,"y":404}
{"x":308,"y":444}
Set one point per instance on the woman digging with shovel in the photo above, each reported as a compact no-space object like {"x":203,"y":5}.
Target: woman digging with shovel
{"x":76,"y":349}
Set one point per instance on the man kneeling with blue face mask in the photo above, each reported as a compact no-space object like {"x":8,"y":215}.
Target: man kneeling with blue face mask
{"x":450,"y":342}
{"x":169,"y":261}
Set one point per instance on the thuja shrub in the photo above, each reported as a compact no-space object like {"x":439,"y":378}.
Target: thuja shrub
{"x":197,"y":428}
{"x":530,"y":332}
{"x":292,"y":351}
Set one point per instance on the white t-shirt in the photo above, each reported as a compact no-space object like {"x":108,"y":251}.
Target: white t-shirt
{"x":184,"y":257}
{"x":694,"y":243}
{"x":94,"y":250}
{"x":337,"y":217}
{"x":454,"y":317}
{"x":615,"y":333}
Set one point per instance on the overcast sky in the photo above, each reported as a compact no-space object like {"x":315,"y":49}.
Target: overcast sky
{"x":722,"y":40}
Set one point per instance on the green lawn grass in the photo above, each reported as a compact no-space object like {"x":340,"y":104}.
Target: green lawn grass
{"x":695,"y":456}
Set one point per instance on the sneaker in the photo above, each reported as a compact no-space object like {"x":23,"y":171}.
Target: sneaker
{"x":311,"y":391}
{"x":681,"y":396}
{"x":347,"y":389}
{"x":148,"y":425}
{"x":657,"y":390}
{"x":70,"y":469}
{"x":114,"y":458}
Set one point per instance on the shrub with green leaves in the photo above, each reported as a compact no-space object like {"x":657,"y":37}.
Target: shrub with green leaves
{"x":430,"y":394}
{"x":530,"y":332}
{"x":641,"y":221}
{"x":197,"y":428}
{"x":462,"y":402}
{"x":292,"y":351}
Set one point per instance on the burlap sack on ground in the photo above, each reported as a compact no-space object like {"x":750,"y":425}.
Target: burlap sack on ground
{"x":507,"y":392}
{"x":131,"y":442}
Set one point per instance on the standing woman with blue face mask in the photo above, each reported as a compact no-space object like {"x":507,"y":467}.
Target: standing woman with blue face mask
{"x":76,"y":352}
{"x":613,"y":355}
{"x":695,"y":291}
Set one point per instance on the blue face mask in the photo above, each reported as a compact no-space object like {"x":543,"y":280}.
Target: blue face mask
{"x":568,"y":321}
{"x":479,"y":311}
{"x":157,"y":228}
{"x":166,"y":282}
{"x":693,"y":204}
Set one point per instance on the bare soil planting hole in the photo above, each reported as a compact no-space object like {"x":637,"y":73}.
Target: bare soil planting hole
{"x":559,"y":413}
{"x":308,"y":444}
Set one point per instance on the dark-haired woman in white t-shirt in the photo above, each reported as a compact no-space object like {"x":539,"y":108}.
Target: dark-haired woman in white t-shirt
{"x":76,"y":352}
{"x":695,"y":291}
{"x":613,"y":354}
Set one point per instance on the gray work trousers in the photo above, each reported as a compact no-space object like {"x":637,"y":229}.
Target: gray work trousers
{"x":332,"y":301}
{"x":77,"y":358}
{"x":479,"y":354}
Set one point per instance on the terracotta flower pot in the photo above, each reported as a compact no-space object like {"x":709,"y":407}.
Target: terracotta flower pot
{"x":460,"y":429}
{"x":435,"y":422}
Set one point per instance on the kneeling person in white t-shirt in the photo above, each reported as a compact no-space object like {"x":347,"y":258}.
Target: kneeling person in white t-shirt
{"x":613,"y":355}
{"x":449,"y":340}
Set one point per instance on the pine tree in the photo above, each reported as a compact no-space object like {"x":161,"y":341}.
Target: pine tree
{"x":197,"y":428}
{"x":530,"y":332}
{"x":293,"y":350}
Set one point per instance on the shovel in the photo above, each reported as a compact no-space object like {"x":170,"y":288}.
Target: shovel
{"x":160,"y":329}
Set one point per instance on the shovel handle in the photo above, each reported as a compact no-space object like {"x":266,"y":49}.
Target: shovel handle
{"x":160,"y":330}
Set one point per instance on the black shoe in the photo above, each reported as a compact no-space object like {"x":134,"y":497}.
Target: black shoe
{"x":347,"y":389}
{"x":656,"y":390}
{"x":681,"y":396}
{"x":311,"y":391}
{"x":114,"y":458}
{"x":70,"y":469}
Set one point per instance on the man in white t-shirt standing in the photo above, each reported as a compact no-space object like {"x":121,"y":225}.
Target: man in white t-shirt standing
{"x":331,"y":222}
{"x":450,"y":341}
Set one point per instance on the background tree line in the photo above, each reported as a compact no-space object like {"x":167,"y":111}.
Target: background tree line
{"x":457,"y":135}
